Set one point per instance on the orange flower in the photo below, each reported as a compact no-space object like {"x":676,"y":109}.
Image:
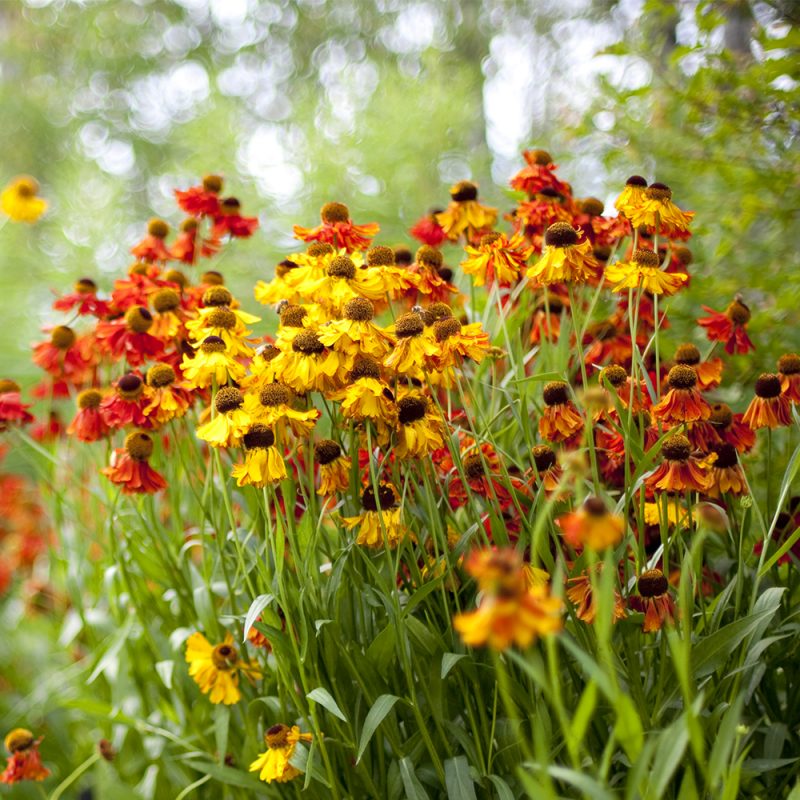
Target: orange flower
{"x":128,"y":337}
{"x":12,"y":409}
{"x":560,"y":420}
{"x":654,"y":600}
{"x":426,"y":270}
{"x":203,"y":200}
{"x":789,"y":373}
{"x":83,"y":299}
{"x":729,"y":326}
{"x":581,"y":593}
{"x":615,"y":376}
{"x":428,"y":231}
{"x":683,"y":402}
{"x":709,"y":373}
{"x":547,"y":471}
{"x":64,"y":356}
{"x":338,"y":229}
{"x":496,"y":258}
{"x":457,"y":342}
{"x":644,"y":271}
{"x":592,"y":526}
{"x":25,"y":762}
{"x":771,"y":407}
{"x":679,"y":470}
{"x":731,"y":428}
{"x":125,"y":405}
{"x":538,"y":174}
{"x":465,"y":215}
{"x":566,"y":259}
{"x":88,"y":424}
{"x":229,"y":221}
{"x":169,"y":399}
{"x":129,"y":468}
{"x":726,"y":472}
{"x":152,"y":248}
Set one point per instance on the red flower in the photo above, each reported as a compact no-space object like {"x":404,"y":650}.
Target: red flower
{"x":230,"y":221}
{"x":203,"y":200}
{"x":84,"y":299}
{"x":125,"y":406}
{"x":185,"y":246}
{"x":152,"y":247}
{"x":25,"y":762}
{"x":338,"y":229}
{"x":538,"y":174}
{"x":88,"y":424}
{"x":12,"y":409}
{"x":729,"y":326}
{"x":65,"y":355}
{"x":129,"y":468}
{"x":428,"y":231}
{"x":127,"y":337}
{"x":771,"y":407}
{"x":683,"y":402}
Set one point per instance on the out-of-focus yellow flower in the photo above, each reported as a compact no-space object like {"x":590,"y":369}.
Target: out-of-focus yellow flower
{"x":215,"y":668}
{"x":273,"y":764}
{"x":20,"y":202}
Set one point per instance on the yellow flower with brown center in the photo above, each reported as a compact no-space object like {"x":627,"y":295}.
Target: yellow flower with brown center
{"x":565,"y":259}
{"x":215,"y":668}
{"x":263,"y":464}
{"x":212,"y":361}
{"x":411,"y":349}
{"x":334,"y":467}
{"x":344,"y":281}
{"x":380,"y":521}
{"x":356,"y":332}
{"x":273,"y":406}
{"x":273,"y":764}
{"x":644,"y":271}
{"x":658,"y":213}
{"x":632,"y":196}
{"x":367,"y":397}
{"x":227,"y":426}
{"x":20,"y":202}
{"x":305,"y":364}
{"x":420,"y":428}
{"x":465,"y":215}
{"x":226,"y":323}
{"x":456,"y":342}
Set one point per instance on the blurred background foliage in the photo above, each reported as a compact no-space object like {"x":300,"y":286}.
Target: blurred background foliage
{"x":383,"y":104}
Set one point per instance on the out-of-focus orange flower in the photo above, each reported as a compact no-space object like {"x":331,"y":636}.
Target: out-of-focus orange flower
{"x":729,"y":326}
{"x":338,"y":229}
{"x":560,"y":420}
{"x":581,"y":593}
{"x":789,"y":373}
{"x":129,"y":467}
{"x":592,"y":526}
{"x":771,"y":407}
{"x":203,"y":200}
{"x":428,"y":231}
{"x":24,"y":761}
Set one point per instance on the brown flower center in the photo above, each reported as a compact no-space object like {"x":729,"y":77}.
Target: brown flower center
{"x":334,"y":212}
{"x":327,"y":451}
{"x":687,"y":354}
{"x":430,"y":257}
{"x":277,"y":736}
{"x":292,"y":316}
{"x":646,"y":258}
{"x":258,"y":436}
{"x":473,"y":466}
{"x":359,"y":309}
{"x":658,"y":191}
{"x":228,"y":398}
{"x":365,"y":367}
{"x":275,"y":394}
{"x":652,"y":583}
{"x":138,"y":319}
{"x":556,"y":393}
{"x":738,"y":313}
{"x":160,"y":375}
{"x":682,"y":377}
{"x":342,"y":267}
{"x":130,"y":386}
{"x":217,"y":296}
{"x":212,"y":278}
{"x":213,"y":344}
{"x":445,"y":328}
{"x":464,"y":190}
{"x":403,"y":256}
{"x":726,"y":455}
{"x":166,"y":300}
{"x":636,"y":180}
{"x":139,"y":446}
{"x":380,"y":256}
{"x":592,"y":206}
{"x":177,"y":277}
{"x":222,"y":317}
{"x":614,"y":374}
{"x":62,"y":337}
{"x":560,"y":234}
{"x":721,"y":415}
{"x":212,"y":183}
{"x":307,"y":343}
{"x":224,"y":657}
{"x":18,"y":740}
{"x":89,"y":398}
{"x":318,"y":249}
{"x":543,"y":457}
{"x":488,"y":239}
{"x":411,"y":409}
{"x":158,"y":228}
{"x":386,"y":498}
{"x":676,"y":448}
{"x":789,"y":364}
{"x":768,"y":386}
{"x":85,"y":286}
{"x":408,"y":325}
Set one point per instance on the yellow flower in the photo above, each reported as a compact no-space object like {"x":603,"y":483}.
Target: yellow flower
{"x":465,"y":215}
{"x":632,"y":196}
{"x":659,"y":213}
{"x":19,"y":201}
{"x":211,"y":361}
{"x":356,"y":333}
{"x":227,"y":427}
{"x":644,"y":270}
{"x":215,"y":668}
{"x":592,"y":526}
{"x":334,"y":467}
{"x":227,"y":324}
{"x":455,"y":342}
{"x":263,"y":464}
{"x":420,"y":429}
{"x":380,"y":521}
{"x":412,"y":350}
{"x":272,"y":406}
{"x":273,"y":764}
{"x":344,"y":281}
{"x":306,"y":364}
{"x":565,"y":260}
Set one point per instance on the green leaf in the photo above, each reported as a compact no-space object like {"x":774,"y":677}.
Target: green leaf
{"x":460,"y":785}
{"x":225,"y":775}
{"x":380,"y":708}
{"x":256,"y":607}
{"x":414,"y":789}
{"x":503,"y":789}
{"x":449,"y":660}
{"x":222,"y":721}
{"x":324,"y":698}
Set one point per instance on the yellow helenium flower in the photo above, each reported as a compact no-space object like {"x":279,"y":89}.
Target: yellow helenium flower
{"x":644,"y":271}
{"x":227,"y":427}
{"x":659,"y":213}
{"x":411,"y":349}
{"x":343,"y":281}
{"x":565,"y":260}
{"x":380,"y":522}
{"x":273,"y":764}
{"x":272,"y":407}
{"x":421,"y":428}
{"x":334,"y":467}
{"x":631,"y":198}
{"x":455,"y":342}
{"x":215,"y":668}
{"x":225,"y":323}
{"x":263,"y":464}
{"x":465,"y":215}
{"x":306,"y":364}
{"x":19,"y":201}
{"x":210,"y":362}
{"x":356,"y":333}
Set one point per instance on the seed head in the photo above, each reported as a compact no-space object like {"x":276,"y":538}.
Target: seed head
{"x":380,"y":256}
{"x":158,"y":228}
{"x":676,"y":448}
{"x":560,"y":234}
{"x":429,"y":256}
{"x":62,"y":337}
{"x":160,"y":375}
{"x":228,"y":398}
{"x":308,"y":343}
{"x":682,"y":377}
{"x":258,"y":436}
{"x":768,"y":385}
{"x":463,"y":191}
{"x":359,"y":309}
{"x":556,"y":393}
{"x":652,"y":583}
{"x":342,"y":267}
{"x":139,"y":446}
{"x":217,"y":296}
{"x":138,"y":319}
{"x":166,"y":300}
{"x":327,"y":451}
{"x":409,"y":324}
{"x":411,"y":409}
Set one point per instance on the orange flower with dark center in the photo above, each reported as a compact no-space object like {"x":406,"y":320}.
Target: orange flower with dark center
{"x":546,"y":470}
{"x":789,"y":373}
{"x":771,"y":407}
{"x":679,"y":470}
{"x":581,"y":593}
{"x":83,"y":299}
{"x":338,"y":229}
{"x":538,"y":174}
{"x":202,"y":200}
{"x":12,"y":409}
{"x":729,"y":326}
{"x":125,"y":405}
{"x":654,"y":600}
{"x":560,"y":420}
{"x":130,"y":469}
{"x":683,"y":402}
{"x":726,"y":472}
{"x":709,"y":373}
{"x":230,"y":221}
{"x":24,"y":761}
{"x":465,"y":216}
{"x":88,"y":424}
